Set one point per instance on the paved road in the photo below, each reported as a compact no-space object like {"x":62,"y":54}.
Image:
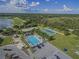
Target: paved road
{"x":58,"y":32}
{"x":29,"y":29}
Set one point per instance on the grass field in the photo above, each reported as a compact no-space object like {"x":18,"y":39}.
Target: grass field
{"x":70,"y":42}
{"x":18,"y":21}
{"x":55,"y":19}
{"x":7,"y":40}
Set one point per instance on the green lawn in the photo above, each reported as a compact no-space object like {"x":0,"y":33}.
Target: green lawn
{"x":55,"y":19}
{"x":69,"y":42}
{"x":18,"y":21}
{"x":7,"y":40}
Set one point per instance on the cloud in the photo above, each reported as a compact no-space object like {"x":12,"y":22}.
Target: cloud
{"x":17,"y":6}
{"x":12,"y":2}
{"x":11,"y":7}
{"x":19,"y":3}
{"x":22,"y":6}
{"x":65,"y":8}
{"x":45,"y":10}
{"x":33,"y":4}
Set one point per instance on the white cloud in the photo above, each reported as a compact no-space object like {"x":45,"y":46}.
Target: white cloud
{"x":33,"y":4}
{"x":19,"y":3}
{"x":14,"y":7}
{"x":45,"y":10}
{"x":37,"y":3}
{"x":65,"y":8}
{"x":11,"y":7}
{"x":12,"y":2}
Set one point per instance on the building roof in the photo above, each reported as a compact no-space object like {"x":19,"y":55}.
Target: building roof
{"x":48,"y":31}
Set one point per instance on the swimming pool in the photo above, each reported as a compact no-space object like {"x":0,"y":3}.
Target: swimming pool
{"x":33,"y":40}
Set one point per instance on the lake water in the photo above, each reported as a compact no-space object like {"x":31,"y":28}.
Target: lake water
{"x":5,"y":23}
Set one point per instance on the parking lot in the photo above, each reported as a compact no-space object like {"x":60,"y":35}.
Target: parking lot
{"x":49,"y":52}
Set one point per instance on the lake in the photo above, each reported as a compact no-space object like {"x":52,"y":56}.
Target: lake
{"x":5,"y":23}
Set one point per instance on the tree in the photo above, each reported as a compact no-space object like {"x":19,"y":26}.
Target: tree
{"x":8,"y":31}
{"x":1,"y":40}
{"x":67,"y":32}
{"x":76,"y":32}
{"x":51,"y":38}
{"x":18,"y":22}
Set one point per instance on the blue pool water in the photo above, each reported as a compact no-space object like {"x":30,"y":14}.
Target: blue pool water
{"x":33,"y":40}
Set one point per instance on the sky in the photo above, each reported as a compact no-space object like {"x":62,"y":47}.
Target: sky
{"x":40,"y":6}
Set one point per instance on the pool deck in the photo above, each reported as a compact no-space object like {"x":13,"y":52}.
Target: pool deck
{"x":37,"y":38}
{"x":49,"y":51}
